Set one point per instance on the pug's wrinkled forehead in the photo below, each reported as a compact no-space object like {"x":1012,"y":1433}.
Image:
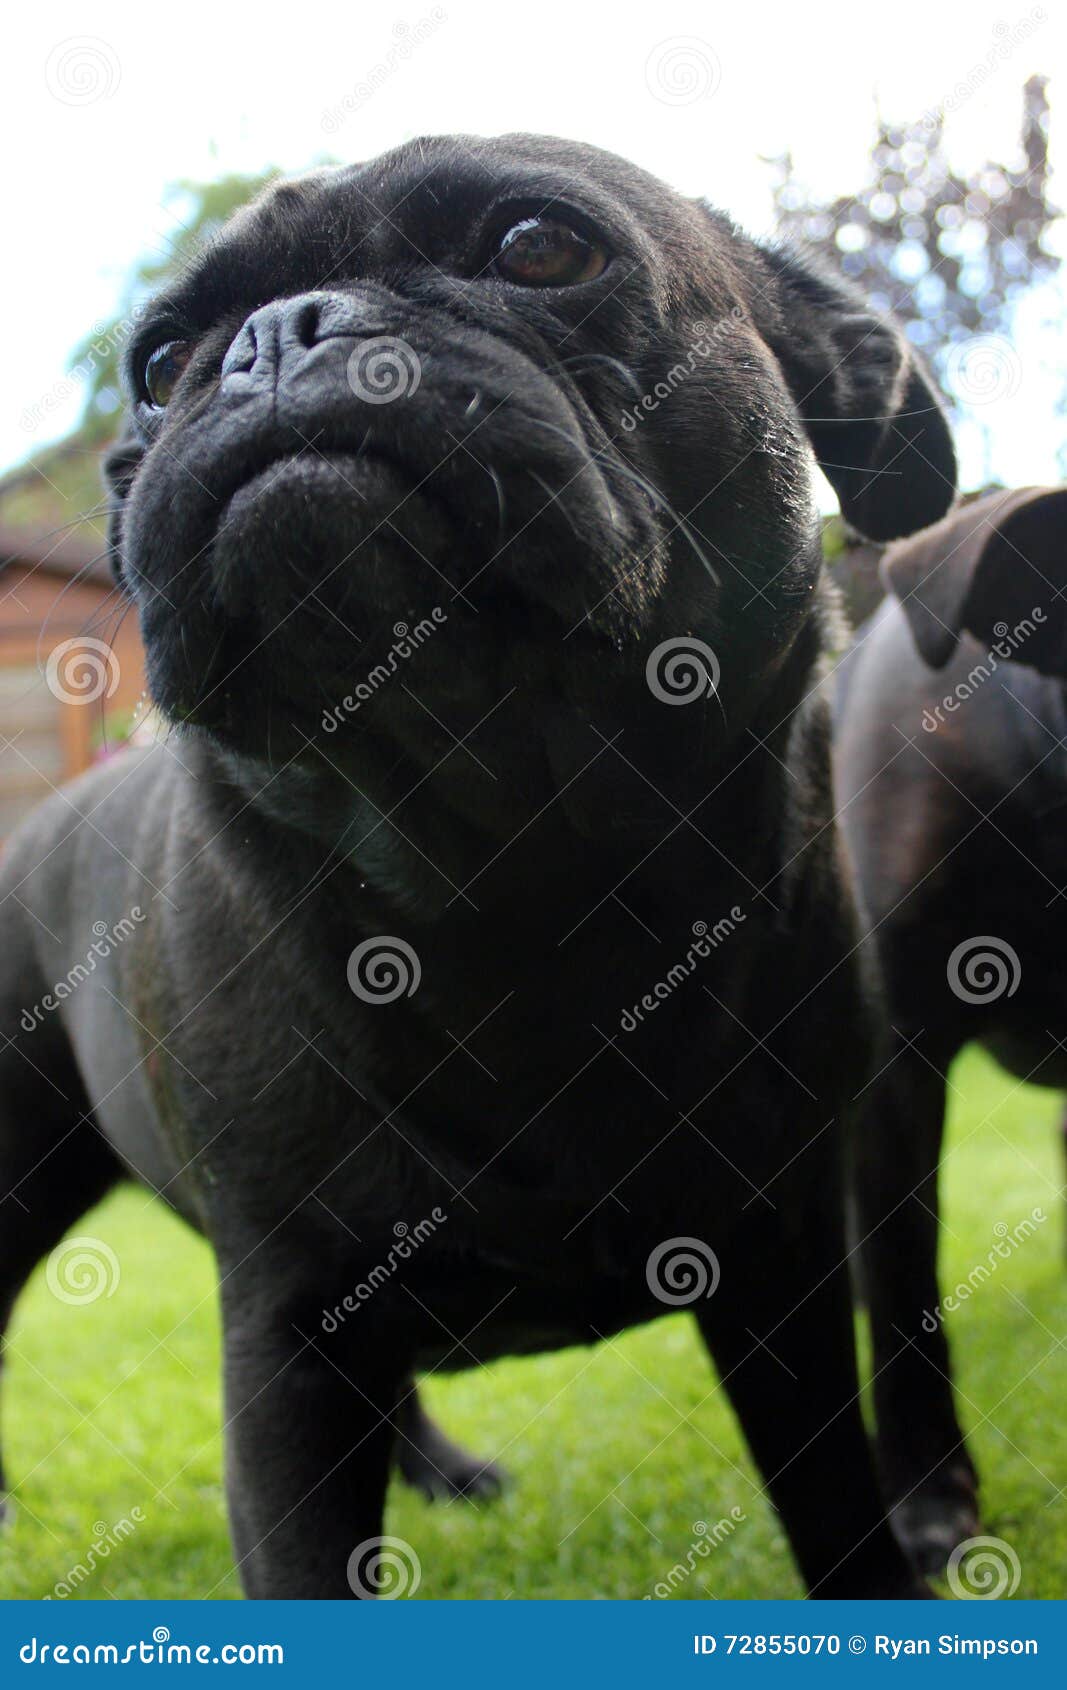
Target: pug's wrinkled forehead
{"x":459,"y":211}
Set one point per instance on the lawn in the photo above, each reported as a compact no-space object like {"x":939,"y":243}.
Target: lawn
{"x":620,"y":1456}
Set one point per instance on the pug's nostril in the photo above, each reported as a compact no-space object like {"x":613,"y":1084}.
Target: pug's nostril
{"x":250,"y":350}
{"x":244,"y":351}
{"x":273,"y":344}
{"x":307,"y":320}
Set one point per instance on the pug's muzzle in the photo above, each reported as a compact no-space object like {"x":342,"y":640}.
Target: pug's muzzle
{"x":356,"y":445}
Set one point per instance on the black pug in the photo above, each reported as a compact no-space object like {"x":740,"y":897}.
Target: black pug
{"x":488,"y":886}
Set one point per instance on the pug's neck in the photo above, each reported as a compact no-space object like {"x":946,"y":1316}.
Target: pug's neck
{"x":388,"y":836}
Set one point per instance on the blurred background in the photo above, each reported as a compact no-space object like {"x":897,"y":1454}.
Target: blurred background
{"x":921,"y":148}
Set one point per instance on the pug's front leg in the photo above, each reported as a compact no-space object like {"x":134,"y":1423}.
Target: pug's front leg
{"x":309,"y":1437}
{"x":780,"y":1330}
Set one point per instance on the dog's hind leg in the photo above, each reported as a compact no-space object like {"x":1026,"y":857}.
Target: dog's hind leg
{"x":53,"y":1163}
{"x":429,"y":1461}
{"x":930,"y":1480}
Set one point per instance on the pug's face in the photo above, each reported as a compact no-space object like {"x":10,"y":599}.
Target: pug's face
{"x":519,"y":396}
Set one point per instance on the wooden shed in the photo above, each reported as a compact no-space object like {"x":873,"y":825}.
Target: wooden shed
{"x":71,"y":664}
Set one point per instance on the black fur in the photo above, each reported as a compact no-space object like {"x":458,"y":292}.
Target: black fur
{"x":515,"y":804}
{"x":952,"y":787}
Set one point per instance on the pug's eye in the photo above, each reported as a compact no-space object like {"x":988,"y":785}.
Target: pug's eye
{"x":162,"y":369}
{"x":541,"y":253}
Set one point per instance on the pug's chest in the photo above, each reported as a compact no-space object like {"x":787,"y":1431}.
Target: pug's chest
{"x":574,"y":1175}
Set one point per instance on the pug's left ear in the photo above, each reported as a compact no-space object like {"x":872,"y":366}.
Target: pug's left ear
{"x":121,"y":463}
{"x":872,"y":414}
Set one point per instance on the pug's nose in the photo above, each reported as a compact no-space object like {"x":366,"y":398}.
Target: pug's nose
{"x":286,"y":351}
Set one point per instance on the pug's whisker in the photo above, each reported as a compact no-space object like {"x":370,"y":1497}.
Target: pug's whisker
{"x":663,"y":504}
{"x":606,"y":463}
{"x":585,"y":358}
{"x":114,"y":602}
{"x":487,"y":469}
{"x":75,"y":580}
{"x":501,"y":500}
{"x":90,"y":514}
{"x":554,"y":498}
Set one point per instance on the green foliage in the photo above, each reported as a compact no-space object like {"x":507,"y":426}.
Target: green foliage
{"x":197,"y":210}
{"x":61,"y":486}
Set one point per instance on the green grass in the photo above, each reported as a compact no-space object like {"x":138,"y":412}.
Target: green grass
{"x":615,"y":1453}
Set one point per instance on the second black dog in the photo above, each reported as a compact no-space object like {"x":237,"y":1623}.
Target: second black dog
{"x":953,"y":792}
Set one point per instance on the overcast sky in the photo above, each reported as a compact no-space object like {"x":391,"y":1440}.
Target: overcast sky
{"x":101,"y":106}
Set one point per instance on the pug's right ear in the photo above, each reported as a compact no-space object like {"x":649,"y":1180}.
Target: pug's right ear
{"x":121,"y":464}
{"x":995,"y":567}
